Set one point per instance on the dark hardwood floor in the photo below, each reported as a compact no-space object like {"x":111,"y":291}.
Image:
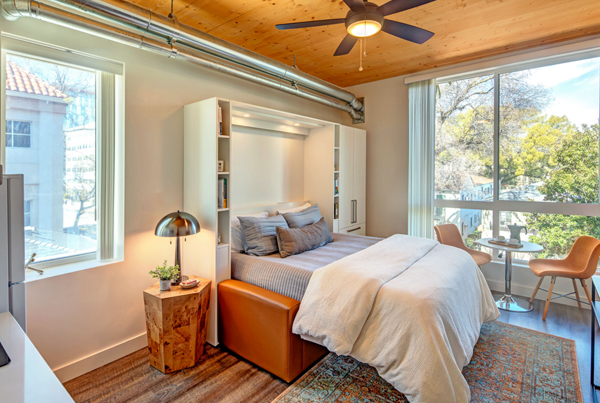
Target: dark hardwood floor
{"x":223,"y":377}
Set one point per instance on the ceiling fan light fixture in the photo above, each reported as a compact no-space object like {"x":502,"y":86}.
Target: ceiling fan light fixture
{"x":362,"y":29}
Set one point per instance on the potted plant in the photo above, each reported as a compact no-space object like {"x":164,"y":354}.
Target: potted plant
{"x":165,"y":274}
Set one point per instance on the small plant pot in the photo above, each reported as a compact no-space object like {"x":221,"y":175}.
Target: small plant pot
{"x":165,"y":285}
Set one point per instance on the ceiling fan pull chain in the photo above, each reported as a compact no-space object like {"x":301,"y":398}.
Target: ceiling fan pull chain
{"x":365,"y":53}
{"x":360,"y":68}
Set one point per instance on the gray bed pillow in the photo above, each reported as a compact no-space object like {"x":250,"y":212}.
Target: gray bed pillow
{"x":293,"y":241}
{"x":303,"y":218}
{"x":260,"y":234}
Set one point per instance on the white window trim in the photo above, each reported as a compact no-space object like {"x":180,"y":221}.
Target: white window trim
{"x":497,"y":205}
{"x":11,"y":44}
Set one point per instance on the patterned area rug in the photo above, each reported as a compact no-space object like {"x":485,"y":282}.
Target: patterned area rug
{"x":510,"y":364}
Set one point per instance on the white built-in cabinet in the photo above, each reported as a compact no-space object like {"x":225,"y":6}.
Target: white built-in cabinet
{"x":352,"y":183}
{"x":317,"y":161}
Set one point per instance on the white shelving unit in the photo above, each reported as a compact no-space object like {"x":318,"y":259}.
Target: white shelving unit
{"x":205,"y":256}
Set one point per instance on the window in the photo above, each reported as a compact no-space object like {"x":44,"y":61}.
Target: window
{"x":18,"y":134}
{"x":62,"y":190}
{"x":71,"y":177}
{"x":27,"y":213}
{"x":524,"y":145}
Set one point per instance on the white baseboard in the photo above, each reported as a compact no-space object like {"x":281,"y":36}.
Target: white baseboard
{"x":100,"y":358}
{"x":526,"y":291}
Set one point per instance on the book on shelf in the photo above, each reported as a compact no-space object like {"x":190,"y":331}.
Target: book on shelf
{"x":336,"y":210}
{"x":337,"y":183}
{"x":220,"y":115}
{"x":222,"y":193}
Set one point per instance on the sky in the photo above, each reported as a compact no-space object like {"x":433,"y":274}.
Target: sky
{"x":575,"y":89}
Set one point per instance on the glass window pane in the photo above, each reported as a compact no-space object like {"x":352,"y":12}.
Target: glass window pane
{"x":464,"y":140}
{"x":8,"y":126}
{"x":8,"y":140}
{"x":472,"y":224}
{"x":549,"y":133}
{"x":59,"y":169}
{"x":21,"y":141}
{"x":555,"y":232}
{"x":21,"y":127}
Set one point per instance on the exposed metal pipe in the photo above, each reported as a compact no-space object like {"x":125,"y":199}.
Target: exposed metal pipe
{"x":13,"y":9}
{"x":131,"y":16}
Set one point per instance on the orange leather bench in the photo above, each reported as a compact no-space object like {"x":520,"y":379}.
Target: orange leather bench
{"x":257,"y":324}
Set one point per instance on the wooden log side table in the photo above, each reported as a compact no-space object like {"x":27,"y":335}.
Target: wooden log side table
{"x":176,"y":323}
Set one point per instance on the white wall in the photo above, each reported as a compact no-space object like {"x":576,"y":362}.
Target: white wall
{"x":268,"y":168}
{"x":386,"y":123}
{"x":81,"y":320}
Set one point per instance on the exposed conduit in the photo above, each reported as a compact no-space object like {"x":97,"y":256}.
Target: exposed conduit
{"x":166,"y":36}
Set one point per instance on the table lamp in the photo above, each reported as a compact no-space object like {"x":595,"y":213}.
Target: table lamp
{"x":177,"y":225}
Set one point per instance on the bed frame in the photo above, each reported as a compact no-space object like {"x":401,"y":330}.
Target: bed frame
{"x":256,"y":323}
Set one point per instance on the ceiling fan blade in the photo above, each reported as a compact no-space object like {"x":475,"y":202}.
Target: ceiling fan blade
{"x":346,"y":46}
{"x":308,"y":24}
{"x":407,"y":32}
{"x":356,"y":5}
{"x":395,"y":6}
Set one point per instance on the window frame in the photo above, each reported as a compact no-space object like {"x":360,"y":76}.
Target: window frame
{"x":25,"y":47}
{"x":497,"y":205}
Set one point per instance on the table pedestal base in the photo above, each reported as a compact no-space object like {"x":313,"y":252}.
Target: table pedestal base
{"x":512,"y":304}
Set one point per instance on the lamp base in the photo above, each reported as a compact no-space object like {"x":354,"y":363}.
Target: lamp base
{"x":176,"y":282}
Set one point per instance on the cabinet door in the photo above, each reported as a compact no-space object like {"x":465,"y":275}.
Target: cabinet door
{"x":346,"y":176}
{"x":360,"y":175}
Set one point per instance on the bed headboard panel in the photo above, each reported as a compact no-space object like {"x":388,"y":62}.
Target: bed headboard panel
{"x":271,"y":209}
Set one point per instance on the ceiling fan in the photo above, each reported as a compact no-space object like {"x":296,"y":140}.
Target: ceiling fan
{"x":366,"y":19}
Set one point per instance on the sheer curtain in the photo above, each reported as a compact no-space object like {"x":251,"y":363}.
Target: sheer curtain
{"x":421,"y":115}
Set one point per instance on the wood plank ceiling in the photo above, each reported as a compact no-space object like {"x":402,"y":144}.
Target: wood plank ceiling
{"x":465,"y":30}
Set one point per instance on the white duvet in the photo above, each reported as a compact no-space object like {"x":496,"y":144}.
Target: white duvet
{"x":410,"y":307}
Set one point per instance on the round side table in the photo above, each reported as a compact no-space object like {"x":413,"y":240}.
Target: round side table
{"x":507,"y":302}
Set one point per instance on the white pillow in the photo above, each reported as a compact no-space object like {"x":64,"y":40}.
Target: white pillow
{"x":237,"y":238}
{"x":294,"y":209}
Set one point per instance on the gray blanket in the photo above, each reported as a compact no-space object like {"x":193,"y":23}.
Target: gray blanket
{"x":290,"y":276}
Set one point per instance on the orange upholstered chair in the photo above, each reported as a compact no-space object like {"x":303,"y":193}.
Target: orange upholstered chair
{"x":580,"y":264}
{"x":448,"y":234}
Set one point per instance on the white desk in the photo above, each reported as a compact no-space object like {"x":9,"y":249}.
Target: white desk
{"x":27,"y":379}
{"x":507,"y":302}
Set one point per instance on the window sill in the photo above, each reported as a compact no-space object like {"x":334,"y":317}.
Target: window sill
{"x":67,"y":268}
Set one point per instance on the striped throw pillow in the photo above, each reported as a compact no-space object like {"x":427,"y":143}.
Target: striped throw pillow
{"x":303,"y":218}
{"x":260,"y":234}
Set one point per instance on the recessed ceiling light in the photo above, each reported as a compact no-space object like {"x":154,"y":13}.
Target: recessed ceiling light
{"x":296,"y":124}
{"x":246,"y":115}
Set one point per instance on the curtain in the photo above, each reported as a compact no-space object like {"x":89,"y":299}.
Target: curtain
{"x":105,"y":181}
{"x":421,"y":115}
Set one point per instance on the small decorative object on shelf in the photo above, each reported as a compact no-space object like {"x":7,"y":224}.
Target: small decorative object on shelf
{"x":220,"y":166}
{"x":222,"y":193}
{"x":165,"y":274}
{"x":220,"y":113}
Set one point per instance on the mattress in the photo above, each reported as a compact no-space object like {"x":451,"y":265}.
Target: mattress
{"x":290,"y":276}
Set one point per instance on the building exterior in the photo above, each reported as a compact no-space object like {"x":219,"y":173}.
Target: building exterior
{"x":51,"y":158}
{"x":35,"y":144}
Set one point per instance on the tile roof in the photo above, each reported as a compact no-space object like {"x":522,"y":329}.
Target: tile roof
{"x":19,"y":79}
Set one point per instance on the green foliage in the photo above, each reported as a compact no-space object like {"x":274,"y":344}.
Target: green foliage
{"x":574,"y":179}
{"x":165,"y":272}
